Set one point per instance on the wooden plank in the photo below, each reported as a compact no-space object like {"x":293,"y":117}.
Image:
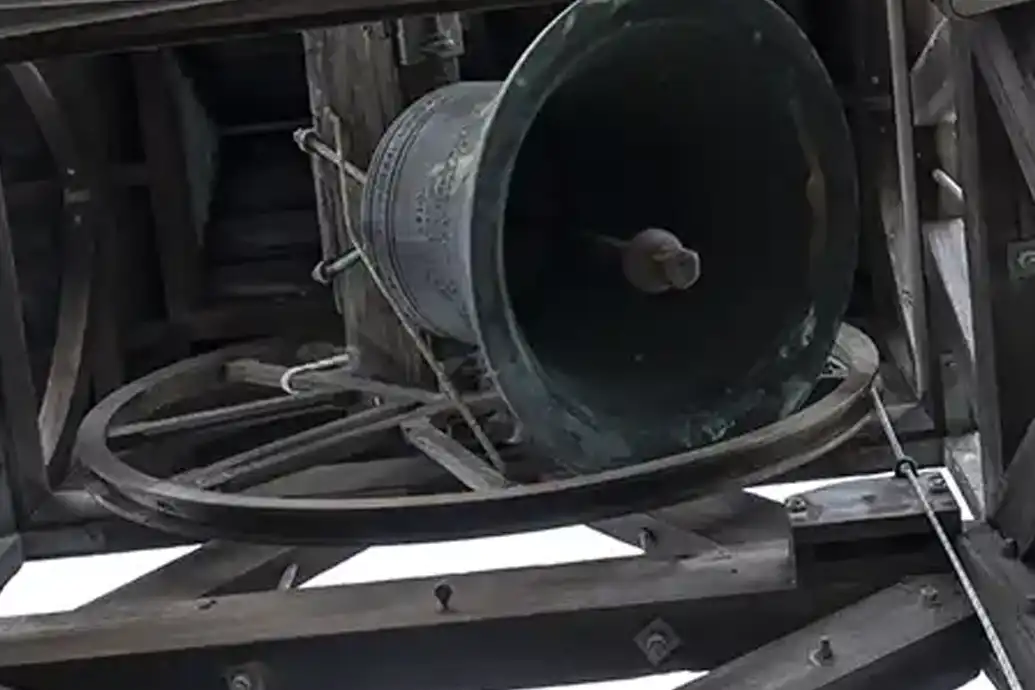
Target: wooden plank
{"x":28,"y":31}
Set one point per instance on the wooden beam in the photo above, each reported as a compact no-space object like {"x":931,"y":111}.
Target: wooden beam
{"x":21,"y":455}
{"x":29,"y":32}
{"x":989,"y":179}
{"x":175,"y":233}
{"x":221,"y":568}
{"x":1010,"y":88}
{"x":1014,"y":514}
{"x":1006,"y":586}
{"x":920,"y":634}
{"x":493,"y":628}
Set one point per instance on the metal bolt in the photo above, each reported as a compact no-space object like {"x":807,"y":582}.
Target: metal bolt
{"x":1010,"y":548}
{"x":288,"y":577}
{"x":930,"y":596}
{"x":937,"y":484}
{"x":658,"y":641}
{"x":657,"y":648}
{"x":241,"y":681}
{"x":823,"y":654}
{"x":443,"y":593}
{"x":646,"y":539}
{"x":797,"y":504}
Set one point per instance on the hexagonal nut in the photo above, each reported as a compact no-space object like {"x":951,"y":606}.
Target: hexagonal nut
{"x":797,"y":504}
{"x":929,"y":596}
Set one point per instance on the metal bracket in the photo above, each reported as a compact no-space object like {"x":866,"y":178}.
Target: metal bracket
{"x":438,"y":36}
{"x":659,"y":539}
{"x":823,"y":520}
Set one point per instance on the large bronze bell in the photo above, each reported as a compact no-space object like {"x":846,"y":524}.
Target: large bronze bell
{"x":649,"y":229}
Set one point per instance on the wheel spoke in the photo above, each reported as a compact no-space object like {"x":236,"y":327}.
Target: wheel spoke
{"x":452,"y":456}
{"x":325,"y":443}
{"x":227,"y":419}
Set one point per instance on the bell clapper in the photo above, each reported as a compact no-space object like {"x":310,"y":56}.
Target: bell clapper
{"x":655,"y":261}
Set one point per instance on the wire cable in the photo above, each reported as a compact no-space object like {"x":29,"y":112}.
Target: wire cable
{"x":906,"y":466}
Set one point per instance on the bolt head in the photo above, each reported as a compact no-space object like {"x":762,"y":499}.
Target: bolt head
{"x":797,"y":504}
{"x":937,"y":484}
{"x":657,"y":641}
{"x":1010,"y":548}
{"x":929,"y":596}
{"x":241,"y":681}
{"x":824,"y":653}
{"x":443,"y":593}
{"x":656,"y":648}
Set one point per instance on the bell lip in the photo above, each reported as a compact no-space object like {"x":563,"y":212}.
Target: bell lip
{"x":554,"y":421}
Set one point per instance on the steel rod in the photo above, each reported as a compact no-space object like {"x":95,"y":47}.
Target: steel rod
{"x":308,"y":141}
{"x":238,"y":416}
{"x":950,"y":185}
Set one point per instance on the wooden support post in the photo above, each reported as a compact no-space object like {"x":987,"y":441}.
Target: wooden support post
{"x":176,"y":236}
{"x":999,"y":233}
{"x":20,"y":454}
{"x":87,"y":91}
{"x":352,"y":73}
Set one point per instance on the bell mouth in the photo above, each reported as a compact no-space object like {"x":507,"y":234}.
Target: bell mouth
{"x":686,"y":120}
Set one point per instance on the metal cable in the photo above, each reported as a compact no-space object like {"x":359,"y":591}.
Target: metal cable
{"x":907,"y":467}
